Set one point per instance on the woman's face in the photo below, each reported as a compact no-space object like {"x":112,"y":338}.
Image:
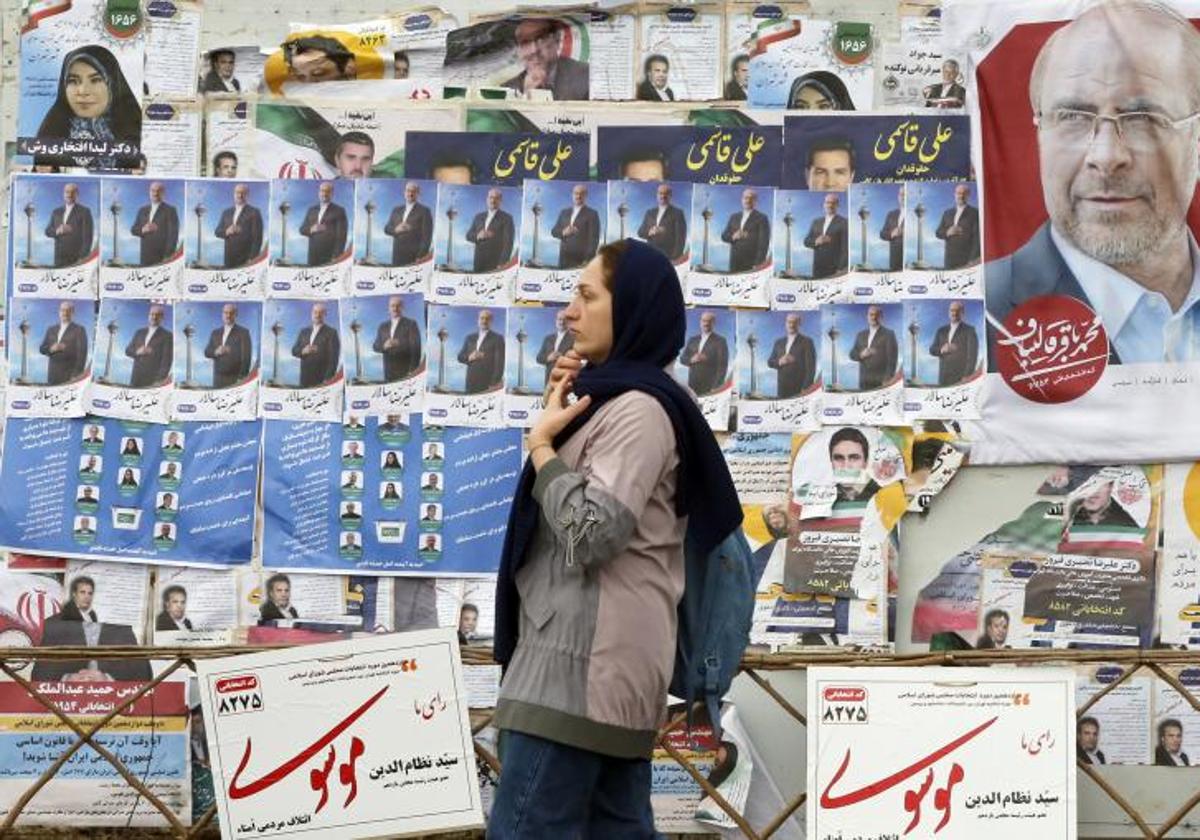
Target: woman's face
{"x":589,"y":315}
{"x":87,"y":92}
{"x":808,"y":98}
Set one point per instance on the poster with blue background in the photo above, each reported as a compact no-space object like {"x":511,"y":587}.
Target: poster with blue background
{"x":98,"y":488}
{"x":430,"y":501}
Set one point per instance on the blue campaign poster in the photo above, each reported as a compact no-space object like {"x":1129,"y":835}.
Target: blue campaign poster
{"x":696,"y":154}
{"x":386,"y":497}
{"x":123,"y":490}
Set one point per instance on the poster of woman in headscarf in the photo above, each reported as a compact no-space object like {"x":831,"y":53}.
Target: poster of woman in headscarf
{"x":81,"y":78}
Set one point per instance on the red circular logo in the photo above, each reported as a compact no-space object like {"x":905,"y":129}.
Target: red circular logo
{"x":1052,"y":349}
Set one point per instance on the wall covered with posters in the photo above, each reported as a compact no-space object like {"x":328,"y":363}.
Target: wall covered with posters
{"x":381,"y":357}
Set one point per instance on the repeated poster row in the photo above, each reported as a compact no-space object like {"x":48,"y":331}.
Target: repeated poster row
{"x":380,"y":496}
{"x":770,"y":56}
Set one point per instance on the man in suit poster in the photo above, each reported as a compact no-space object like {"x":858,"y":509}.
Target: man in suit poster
{"x":556,"y":343}
{"x":578,"y":230}
{"x":794,"y":360}
{"x":278,"y":603}
{"x":664,"y":225}
{"x":876,"y":351}
{"x":748,"y":234}
{"x":1169,"y":750}
{"x":157,"y":226}
{"x":317,"y":347}
{"x":72,"y":228}
{"x":241,"y":227}
{"x":77,"y":625}
{"x":827,"y":237}
{"x":66,"y":347}
{"x":411,"y":227}
{"x":655,"y":84}
{"x":706,"y":356}
{"x":174,"y":610}
{"x":325,"y":226}
{"x":483,"y":353}
{"x":230,"y":348}
{"x":491,"y":232}
{"x":539,"y":47}
{"x":947,"y":93}
{"x":956,"y":346}
{"x":151,"y":348}
{"x":398,"y":340}
{"x":1087,"y":741}
{"x":220,"y":77}
{"x":959,"y":229}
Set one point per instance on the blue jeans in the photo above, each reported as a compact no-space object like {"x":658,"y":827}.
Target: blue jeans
{"x":549,"y":791}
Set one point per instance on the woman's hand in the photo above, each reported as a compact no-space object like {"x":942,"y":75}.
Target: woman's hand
{"x":556,"y":416}
{"x":566,"y":368}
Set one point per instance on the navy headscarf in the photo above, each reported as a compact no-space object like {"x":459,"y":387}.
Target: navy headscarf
{"x":648,"y":333}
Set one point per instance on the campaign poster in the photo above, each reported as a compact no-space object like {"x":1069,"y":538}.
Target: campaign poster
{"x":863,"y":356}
{"x":706,"y":365}
{"x":131,"y":491}
{"x":1057,"y":247}
{"x":700,"y":154}
{"x":944,"y":234}
{"x":491,"y":157}
{"x":194,"y":607}
{"x":655,"y":212}
{"x":173,"y":48}
{"x":945,"y":363}
{"x":562,"y":227}
{"x":1116,"y":728}
{"x":393,"y":235}
{"x":1176,"y":722}
{"x":877,"y":229}
{"x":411,"y":44}
{"x":537,"y":58}
{"x":132,"y":377}
{"x":829,"y":152}
{"x":225,"y":247}
{"x":731,"y":246}
{"x":997,"y":762}
{"x":216,"y":361}
{"x":537,"y":337}
{"x":55,"y":238}
{"x":464,"y":381}
{"x":814,"y":65}
{"x":152,"y":742}
{"x":49,"y":355}
{"x":141,"y":242}
{"x":391,"y":711}
{"x":916,"y":71}
{"x":82,"y":66}
{"x":679,"y":53}
{"x":311,"y":242}
{"x":749,"y":28}
{"x":302,"y":360}
{"x":227,"y":136}
{"x":307,"y":58}
{"x":230,"y":69}
{"x":172,"y":138}
{"x":854,"y":474}
{"x":1097,"y":525}
{"x":778,"y":372}
{"x":475,"y":244}
{"x":318,"y":140}
{"x":1178,"y":597}
{"x":386,"y":496}
{"x":384,"y":353}
{"x":811,"y":245}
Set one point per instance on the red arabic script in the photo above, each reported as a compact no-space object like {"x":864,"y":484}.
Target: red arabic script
{"x":830,"y":801}
{"x":284,"y":770}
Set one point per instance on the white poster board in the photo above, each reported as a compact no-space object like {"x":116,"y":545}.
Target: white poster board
{"x":951,"y":752}
{"x":363,"y":738}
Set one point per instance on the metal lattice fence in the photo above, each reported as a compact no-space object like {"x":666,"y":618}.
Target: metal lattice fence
{"x":754,"y":666}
